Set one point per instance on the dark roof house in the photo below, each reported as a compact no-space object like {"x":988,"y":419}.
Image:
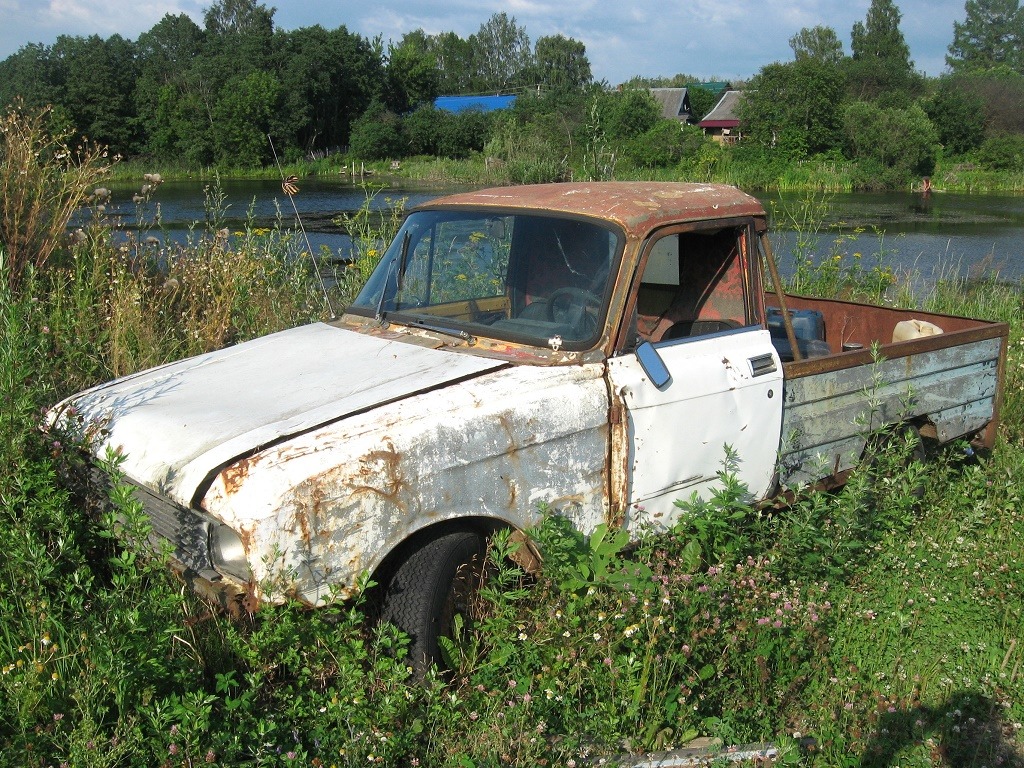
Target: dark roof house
{"x":723,"y":123}
{"x":675,"y":103}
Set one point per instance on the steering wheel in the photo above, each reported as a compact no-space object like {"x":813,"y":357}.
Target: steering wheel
{"x":577,"y":308}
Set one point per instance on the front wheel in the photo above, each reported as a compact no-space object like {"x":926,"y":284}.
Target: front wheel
{"x":433,"y":586}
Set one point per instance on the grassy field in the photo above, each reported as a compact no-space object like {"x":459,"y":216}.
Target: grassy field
{"x":868,"y":627}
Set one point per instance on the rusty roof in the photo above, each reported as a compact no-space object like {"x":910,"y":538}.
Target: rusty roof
{"x":638,"y":207}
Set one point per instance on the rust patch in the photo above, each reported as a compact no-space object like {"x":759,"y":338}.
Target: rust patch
{"x":303,"y":520}
{"x":245,"y":536}
{"x":235,"y":475}
{"x":383,"y":465}
{"x":525,"y":555}
{"x":638,"y":207}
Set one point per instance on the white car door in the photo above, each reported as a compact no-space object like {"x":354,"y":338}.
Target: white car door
{"x":725,"y":390}
{"x":699,"y":301}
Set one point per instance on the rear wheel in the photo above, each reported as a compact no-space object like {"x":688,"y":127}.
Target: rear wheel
{"x":429,"y":589}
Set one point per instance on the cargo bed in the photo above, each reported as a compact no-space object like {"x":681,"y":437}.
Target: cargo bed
{"x":947,"y":386}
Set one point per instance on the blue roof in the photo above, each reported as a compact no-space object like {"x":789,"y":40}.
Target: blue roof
{"x":480,"y":103}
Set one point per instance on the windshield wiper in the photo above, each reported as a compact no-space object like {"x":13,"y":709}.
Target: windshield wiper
{"x":464,"y":335}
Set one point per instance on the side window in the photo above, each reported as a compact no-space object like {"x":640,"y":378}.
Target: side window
{"x":692,"y":285}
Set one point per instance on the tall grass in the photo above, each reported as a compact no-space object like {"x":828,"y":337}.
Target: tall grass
{"x":43,"y":178}
{"x":883,"y":624}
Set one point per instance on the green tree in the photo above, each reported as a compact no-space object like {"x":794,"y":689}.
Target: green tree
{"x":30,"y":77}
{"x":377,"y":134}
{"x":166,"y":54}
{"x":502,"y":58}
{"x":184,"y":127}
{"x":630,"y":113}
{"x":797,"y":105}
{"x":412,"y":72}
{"x":95,"y":80}
{"x":562,"y":63}
{"x":243,"y":117}
{"x":557,"y":116}
{"x":454,"y":58}
{"x":819,"y":43}
{"x":880,"y":57}
{"x":702,"y":101}
{"x":990,"y":37}
{"x":894,"y":146}
{"x":239,"y":40}
{"x":957,"y":111}
{"x":327,"y":79}
{"x":1003,"y":94}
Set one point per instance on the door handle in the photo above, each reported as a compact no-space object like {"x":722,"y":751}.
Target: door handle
{"x":762,"y":364}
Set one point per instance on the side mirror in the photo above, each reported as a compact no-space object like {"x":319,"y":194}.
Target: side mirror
{"x":653,"y":365}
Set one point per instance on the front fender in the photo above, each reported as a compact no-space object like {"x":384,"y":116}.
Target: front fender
{"x":315,"y":512}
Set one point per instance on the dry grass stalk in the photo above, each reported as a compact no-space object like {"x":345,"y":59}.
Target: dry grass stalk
{"x":43,"y":179}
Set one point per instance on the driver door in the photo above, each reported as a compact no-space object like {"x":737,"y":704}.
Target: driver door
{"x":696,"y":307}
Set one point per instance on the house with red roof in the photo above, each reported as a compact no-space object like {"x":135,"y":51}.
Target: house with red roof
{"x":723,"y":123}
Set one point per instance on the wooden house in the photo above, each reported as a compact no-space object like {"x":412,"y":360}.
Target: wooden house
{"x":723,"y":123}
{"x":675,"y":103}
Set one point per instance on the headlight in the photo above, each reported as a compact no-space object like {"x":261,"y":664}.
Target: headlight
{"x":227,"y":552}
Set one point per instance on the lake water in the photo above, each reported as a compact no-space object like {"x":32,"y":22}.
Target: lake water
{"x":939,"y":233}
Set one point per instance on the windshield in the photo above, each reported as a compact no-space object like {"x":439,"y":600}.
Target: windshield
{"x":533,"y":279}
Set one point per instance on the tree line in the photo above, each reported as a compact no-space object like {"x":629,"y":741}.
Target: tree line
{"x":190,"y":95}
{"x":873,"y":107}
{"x":211,"y":94}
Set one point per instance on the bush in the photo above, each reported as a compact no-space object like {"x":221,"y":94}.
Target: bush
{"x":1003,"y":152}
{"x":958,"y":113}
{"x":903,"y":140}
{"x":664,"y":145}
{"x":462,"y":133}
{"x":528,"y":157}
{"x":630,"y":113}
{"x":378,"y":135}
{"x":422,"y":129}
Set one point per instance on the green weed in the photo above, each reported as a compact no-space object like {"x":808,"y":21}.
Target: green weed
{"x":882,"y":619}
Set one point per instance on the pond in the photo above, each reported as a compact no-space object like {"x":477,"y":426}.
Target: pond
{"x":935,"y":234}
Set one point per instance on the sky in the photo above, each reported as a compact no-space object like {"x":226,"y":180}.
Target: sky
{"x":709,"y":39}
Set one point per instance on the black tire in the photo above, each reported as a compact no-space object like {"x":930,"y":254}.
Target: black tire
{"x":433,"y":585}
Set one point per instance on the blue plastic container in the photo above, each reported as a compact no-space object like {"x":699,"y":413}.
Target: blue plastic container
{"x":808,"y":324}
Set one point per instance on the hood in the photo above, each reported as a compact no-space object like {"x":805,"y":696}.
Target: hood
{"x":178,"y":423}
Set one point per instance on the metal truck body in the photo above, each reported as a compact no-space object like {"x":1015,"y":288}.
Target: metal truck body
{"x":510,"y":352}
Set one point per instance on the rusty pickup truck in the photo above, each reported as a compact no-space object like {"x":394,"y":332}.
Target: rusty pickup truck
{"x":595,"y":348}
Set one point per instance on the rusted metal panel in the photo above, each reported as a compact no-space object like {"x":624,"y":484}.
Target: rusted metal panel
{"x":638,"y":207}
{"x":317,"y":510}
{"x":829,"y":415}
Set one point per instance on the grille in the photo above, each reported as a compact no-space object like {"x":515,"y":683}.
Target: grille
{"x":187,"y":531}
